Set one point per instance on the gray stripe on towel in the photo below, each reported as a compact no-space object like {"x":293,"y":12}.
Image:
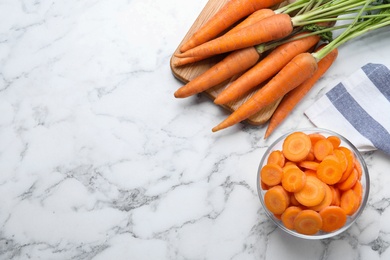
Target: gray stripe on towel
{"x":379,"y":75}
{"x":359,"y":118}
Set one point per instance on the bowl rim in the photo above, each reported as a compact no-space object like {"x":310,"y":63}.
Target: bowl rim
{"x":356,"y":215}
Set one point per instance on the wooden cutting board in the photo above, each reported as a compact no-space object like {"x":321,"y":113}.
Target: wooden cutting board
{"x":188,"y":72}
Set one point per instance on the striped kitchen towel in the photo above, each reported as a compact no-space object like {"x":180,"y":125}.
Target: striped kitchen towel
{"x":358,"y":108}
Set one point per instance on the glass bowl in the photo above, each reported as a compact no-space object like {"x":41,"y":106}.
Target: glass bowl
{"x":364,"y":179}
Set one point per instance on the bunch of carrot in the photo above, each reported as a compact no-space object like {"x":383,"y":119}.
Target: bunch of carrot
{"x":312,"y":184}
{"x":276,"y":55}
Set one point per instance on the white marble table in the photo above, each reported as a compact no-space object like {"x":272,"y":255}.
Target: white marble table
{"x":99,"y":161}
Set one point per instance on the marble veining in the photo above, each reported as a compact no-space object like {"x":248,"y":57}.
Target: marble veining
{"x":98,"y":160}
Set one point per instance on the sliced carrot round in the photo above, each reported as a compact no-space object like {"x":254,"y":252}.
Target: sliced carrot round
{"x":350,"y":162}
{"x":312,"y":193}
{"x":322,"y":148}
{"x":349,"y":182}
{"x":335,"y":140}
{"x":358,"y":189}
{"x":342,"y":159}
{"x":329,"y":171}
{"x":358,"y":168}
{"x":271,"y":174}
{"x":276,"y":199}
{"x":293,"y":180}
{"x":314,"y":137}
{"x":349,"y":202}
{"x":333,"y":218}
{"x":335,"y":196}
{"x":296,"y":146}
{"x":276,"y":157}
{"x":289,"y":215}
{"x":310,"y":165}
{"x":308,"y":222}
{"x":326,"y":201}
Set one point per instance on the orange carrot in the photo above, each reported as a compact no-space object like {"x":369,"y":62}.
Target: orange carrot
{"x":230,"y":13}
{"x":271,"y":174}
{"x":326,"y":201}
{"x":358,"y":168}
{"x":236,"y":62}
{"x":276,"y":199}
{"x":271,"y":28}
{"x":312,"y":193}
{"x":251,"y":19}
{"x":358,"y":189}
{"x":308,"y":222}
{"x":350,"y":157}
{"x":315,"y":137}
{"x":293,"y":180}
{"x":266,"y":68}
{"x":299,"y":69}
{"x":335,"y":196}
{"x":329,"y":171}
{"x":349,"y":182}
{"x":291,"y":99}
{"x":294,"y":202}
{"x":276,"y":157}
{"x":296,"y":146}
{"x":342,"y":159}
{"x":349,"y":202}
{"x":333,"y":218}
{"x":309,"y":165}
{"x":289,"y":215}
{"x":335,"y":140}
{"x":322,"y":148}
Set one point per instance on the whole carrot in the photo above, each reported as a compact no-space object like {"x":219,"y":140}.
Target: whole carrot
{"x":268,"y":29}
{"x":236,"y":62}
{"x":266,"y":68}
{"x":230,"y":13}
{"x":292,"y":98}
{"x":299,"y":69}
{"x":251,"y":19}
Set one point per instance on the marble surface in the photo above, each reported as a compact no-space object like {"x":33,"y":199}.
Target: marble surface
{"x":98,"y":160}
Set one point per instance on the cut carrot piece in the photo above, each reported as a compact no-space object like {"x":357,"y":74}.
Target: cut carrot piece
{"x":296,"y":146}
{"x":276,"y":199}
{"x":264,"y":186}
{"x":288,"y":166}
{"x":322,"y":148}
{"x":276,"y":157}
{"x":350,"y":162}
{"x":312,"y":193}
{"x":341,"y":158}
{"x":349,"y":202}
{"x":335,"y":140}
{"x":278,"y":216}
{"x":271,"y":174}
{"x":335,"y":196}
{"x":333,"y":218}
{"x":349,"y":182}
{"x":308,"y":222}
{"x":289,"y":215}
{"x":293,"y":180}
{"x":326,"y":201}
{"x":310,"y":156}
{"x":329,"y":171}
{"x":309,"y":165}
{"x":311,"y":173}
{"x":358,"y":168}
{"x":314,"y":137}
{"x":294,"y":202}
{"x":358,"y":189}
